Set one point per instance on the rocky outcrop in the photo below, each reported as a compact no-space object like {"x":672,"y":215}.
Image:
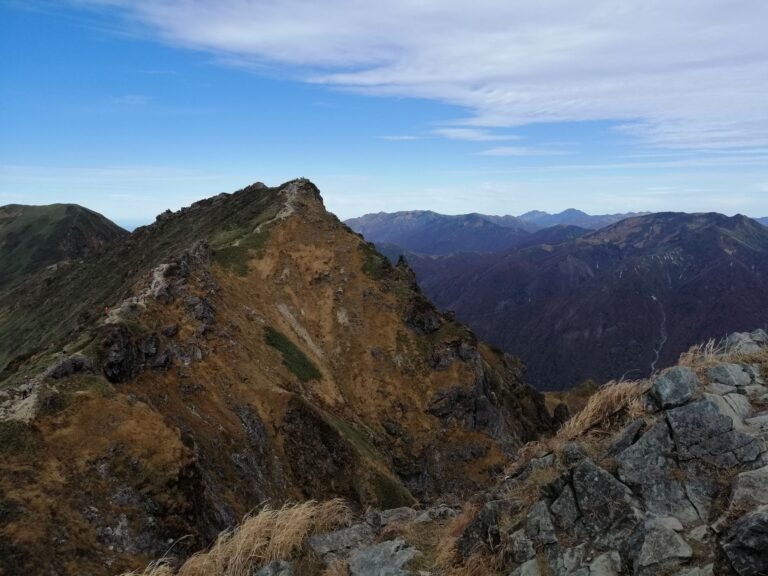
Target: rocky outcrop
{"x":679,"y":491}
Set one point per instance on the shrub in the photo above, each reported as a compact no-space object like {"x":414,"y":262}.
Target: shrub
{"x":293,"y":358}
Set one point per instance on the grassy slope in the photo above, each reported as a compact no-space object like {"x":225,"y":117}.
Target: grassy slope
{"x":50,"y":308}
{"x":33,"y":237}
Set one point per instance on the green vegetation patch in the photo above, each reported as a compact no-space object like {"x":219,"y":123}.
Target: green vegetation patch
{"x":236,"y":256}
{"x":15,"y":438}
{"x":390,"y":493}
{"x":293,"y":358}
{"x":375,"y":265}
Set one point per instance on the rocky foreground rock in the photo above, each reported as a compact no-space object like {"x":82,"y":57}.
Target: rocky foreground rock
{"x":680,"y":489}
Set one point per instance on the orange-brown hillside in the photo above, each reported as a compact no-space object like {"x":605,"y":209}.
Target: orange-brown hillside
{"x":252,"y":348}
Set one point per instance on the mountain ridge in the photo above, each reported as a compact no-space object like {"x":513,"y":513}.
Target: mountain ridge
{"x":246,"y":348}
{"x":601,"y":296}
{"x":34,"y":237}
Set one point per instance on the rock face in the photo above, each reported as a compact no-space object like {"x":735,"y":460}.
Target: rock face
{"x":681,"y":491}
{"x":248,"y":348}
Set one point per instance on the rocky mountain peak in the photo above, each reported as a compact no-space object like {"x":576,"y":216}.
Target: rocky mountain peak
{"x":243,"y":349}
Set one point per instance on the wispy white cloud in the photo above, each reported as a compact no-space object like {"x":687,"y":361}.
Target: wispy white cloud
{"x":474,"y":135}
{"x":402,"y":138}
{"x":683,"y":74}
{"x":521,"y":151}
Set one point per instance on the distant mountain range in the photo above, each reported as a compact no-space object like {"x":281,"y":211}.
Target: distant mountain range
{"x":573,"y":217}
{"x":763,"y":221}
{"x":626,"y":299}
{"x":432,"y":233}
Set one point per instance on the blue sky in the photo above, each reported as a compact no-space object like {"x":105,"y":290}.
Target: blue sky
{"x":132,"y":107}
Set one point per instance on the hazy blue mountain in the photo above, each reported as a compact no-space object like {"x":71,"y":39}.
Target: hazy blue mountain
{"x":573,"y":217}
{"x":432,"y":233}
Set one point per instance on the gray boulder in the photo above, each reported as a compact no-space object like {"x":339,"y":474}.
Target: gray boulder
{"x":735,"y":375}
{"x":746,"y":544}
{"x":674,"y":387}
{"x":657,"y":547}
{"x":520,"y":547}
{"x":539,"y":526}
{"x":483,"y":531}
{"x":70,"y":366}
{"x":703,"y":431}
{"x":397,"y":515}
{"x":608,"y":564}
{"x":628,"y":436}
{"x":744,"y":342}
{"x":530,"y":568}
{"x":750,"y":489}
{"x":341,"y":543}
{"x":384,"y":559}
{"x":650,"y":465}
{"x":607,"y":506}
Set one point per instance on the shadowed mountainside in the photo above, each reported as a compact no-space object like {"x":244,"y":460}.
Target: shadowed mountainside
{"x":627,"y":299}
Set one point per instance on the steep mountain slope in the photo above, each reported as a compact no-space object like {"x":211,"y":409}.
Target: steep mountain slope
{"x":627,"y":299}
{"x":431,"y":233}
{"x":573,"y":217}
{"x":245,"y":349}
{"x":667,"y":476}
{"x":33,"y":237}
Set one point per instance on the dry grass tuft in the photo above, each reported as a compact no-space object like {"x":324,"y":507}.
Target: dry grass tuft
{"x":710,"y":352}
{"x":528,"y":492}
{"x":272,"y":534}
{"x":446,"y":554}
{"x":608,"y":401}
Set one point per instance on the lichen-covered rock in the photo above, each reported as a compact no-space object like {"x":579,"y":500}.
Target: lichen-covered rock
{"x":650,"y":466}
{"x":341,"y":543}
{"x":520,"y":547}
{"x":750,"y":489}
{"x":702,"y":431}
{"x":746,"y":544}
{"x":607,"y":506}
{"x":745,"y":342}
{"x":384,"y":559}
{"x":735,"y":375}
{"x":674,"y":387}
{"x":656,"y":547}
{"x":608,"y":564}
{"x":483,"y":532}
{"x":539,"y":526}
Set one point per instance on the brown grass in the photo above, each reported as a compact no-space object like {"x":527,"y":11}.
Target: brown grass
{"x":446,"y":554}
{"x":713,"y":352}
{"x":272,"y":534}
{"x":607,"y":402}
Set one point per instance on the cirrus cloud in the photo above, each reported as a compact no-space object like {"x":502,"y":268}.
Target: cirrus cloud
{"x":681,"y":74}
